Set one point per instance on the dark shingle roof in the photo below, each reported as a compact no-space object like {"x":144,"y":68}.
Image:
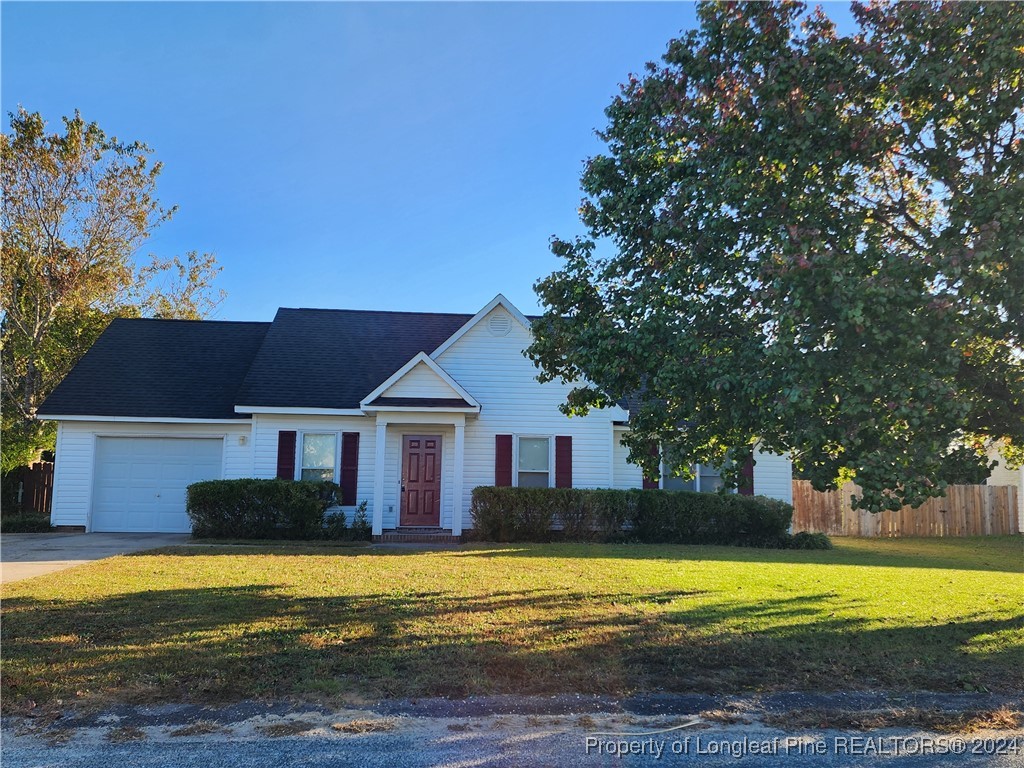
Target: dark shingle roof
{"x":153,"y":368}
{"x":331,"y":358}
{"x":421,"y":402}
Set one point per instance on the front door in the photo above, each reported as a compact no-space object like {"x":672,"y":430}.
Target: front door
{"x":421,"y":480}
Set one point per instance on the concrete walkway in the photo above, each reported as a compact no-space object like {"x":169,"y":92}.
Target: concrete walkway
{"x":23,"y":555}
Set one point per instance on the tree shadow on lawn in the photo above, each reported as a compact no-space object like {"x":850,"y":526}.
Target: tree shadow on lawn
{"x":230,"y":643}
{"x":1000,"y":554}
{"x":1004,"y":554}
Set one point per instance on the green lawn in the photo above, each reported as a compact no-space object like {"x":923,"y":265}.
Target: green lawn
{"x":223,"y":623}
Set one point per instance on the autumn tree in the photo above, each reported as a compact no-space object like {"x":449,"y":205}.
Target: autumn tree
{"x":77,"y":207}
{"x":811,"y":239}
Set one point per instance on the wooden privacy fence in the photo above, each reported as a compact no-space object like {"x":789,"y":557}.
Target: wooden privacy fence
{"x":965,"y":510}
{"x":35,"y":490}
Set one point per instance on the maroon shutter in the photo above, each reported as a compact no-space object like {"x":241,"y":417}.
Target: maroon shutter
{"x":286,"y":455}
{"x":654,"y":484}
{"x":747,"y":478}
{"x":503,"y":460}
{"x":563,"y":461}
{"x":349,"y":467}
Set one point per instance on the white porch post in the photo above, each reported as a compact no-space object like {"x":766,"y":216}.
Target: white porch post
{"x":378,"y":477}
{"x":457,"y":490}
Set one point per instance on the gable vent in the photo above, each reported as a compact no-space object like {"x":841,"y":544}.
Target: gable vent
{"x":499,"y":324}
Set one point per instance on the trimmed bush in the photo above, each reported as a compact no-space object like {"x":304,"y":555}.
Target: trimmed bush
{"x":649,"y":516}
{"x":25,"y":522}
{"x":260,"y":509}
{"x":806,"y":540}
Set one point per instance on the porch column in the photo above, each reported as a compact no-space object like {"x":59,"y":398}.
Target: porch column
{"x":378,"y":477}
{"x":460,"y":440}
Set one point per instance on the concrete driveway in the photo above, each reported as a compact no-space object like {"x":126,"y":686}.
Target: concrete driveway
{"x":23,"y":555}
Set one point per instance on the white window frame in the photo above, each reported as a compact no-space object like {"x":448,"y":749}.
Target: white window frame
{"x":696,"y":478}
{"x":300,"y":438}
{"x":551,"y":456}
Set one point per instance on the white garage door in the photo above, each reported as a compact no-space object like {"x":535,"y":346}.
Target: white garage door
{"x":140,"y":481}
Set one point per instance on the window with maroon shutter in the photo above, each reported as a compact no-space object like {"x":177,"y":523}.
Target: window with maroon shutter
{"x":503,"y":460}
{"x":746,"y":487}
{"x":286,"y":454}
{"x":349,"y":467}
{"x":652,"y":484}
{"x":563,"y":461}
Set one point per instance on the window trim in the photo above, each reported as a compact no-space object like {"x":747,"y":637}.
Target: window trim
{"x":300,"y":438}
{"x":515,"y":456}
{"x":696,"y":479}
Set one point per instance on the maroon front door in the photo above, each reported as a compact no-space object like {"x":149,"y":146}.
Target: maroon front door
{"x":421,"y":480}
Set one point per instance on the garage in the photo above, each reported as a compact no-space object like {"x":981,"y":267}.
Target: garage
{"x":140,"y":482}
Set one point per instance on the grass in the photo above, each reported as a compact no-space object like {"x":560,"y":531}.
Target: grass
{"x":219,"y":624}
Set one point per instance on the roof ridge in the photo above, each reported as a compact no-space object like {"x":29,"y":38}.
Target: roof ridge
{"x":190,"y":320}
{"x":376,"y":311}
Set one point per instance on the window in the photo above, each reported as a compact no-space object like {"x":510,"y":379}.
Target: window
{"x":534,"y":465}
{"x":706,"y":479}
{"x":710,"y":479}
{"x":675,"y":483}
{"x":319,"y":456}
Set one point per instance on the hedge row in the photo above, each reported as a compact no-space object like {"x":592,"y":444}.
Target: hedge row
{"x":25,"y":522}
{"x":270,"y":509}
{"x":649,"y":516}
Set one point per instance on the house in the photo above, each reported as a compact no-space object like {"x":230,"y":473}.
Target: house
{"x":408,"y":411}
{"x":1001,"y":474}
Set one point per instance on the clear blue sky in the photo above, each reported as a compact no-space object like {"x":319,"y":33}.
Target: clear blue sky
{"x":370,"y":156}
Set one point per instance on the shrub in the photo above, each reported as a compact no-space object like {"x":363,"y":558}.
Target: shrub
{"x":25,"y":522}
{"x":336,"y":527}
{"x":807,"y":540}
{"x":514,"y":514}
{"x":361,"y":530}
{"x":665,"y":517}
{"x":259,"y":509}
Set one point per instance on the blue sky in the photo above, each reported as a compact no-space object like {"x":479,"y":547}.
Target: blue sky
{"x":369,"y":156}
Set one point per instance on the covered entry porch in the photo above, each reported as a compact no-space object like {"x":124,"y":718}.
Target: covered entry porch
{"x":418,"y":486}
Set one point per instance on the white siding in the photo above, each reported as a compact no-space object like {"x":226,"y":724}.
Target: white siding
{"x":420,"y":382}
{"x":75,"y":456}
{"x":266,"y":427}
{"x":773,"y":476}
{"x":1003,"y":475}
{"x":626,"y":475}
{"x":495,"y":372}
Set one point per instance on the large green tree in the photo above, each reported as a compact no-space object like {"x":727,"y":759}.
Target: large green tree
{"x":77,"y":207}
{"x":811,"y":239}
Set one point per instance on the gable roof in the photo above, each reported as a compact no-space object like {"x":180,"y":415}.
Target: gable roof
{"x":331,"y":358}
{"x":306,"y":360}
{"x":160,"y":368}
{"x":497,"y":301}
{"x":454,"y":394}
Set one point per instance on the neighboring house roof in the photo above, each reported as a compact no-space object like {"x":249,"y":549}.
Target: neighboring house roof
{"x":160,"y":368}
{"x":331,"y":358}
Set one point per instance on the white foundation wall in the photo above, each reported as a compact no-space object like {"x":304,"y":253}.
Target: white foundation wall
{"x":493,"y":370}
{"x":75,"y":455}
